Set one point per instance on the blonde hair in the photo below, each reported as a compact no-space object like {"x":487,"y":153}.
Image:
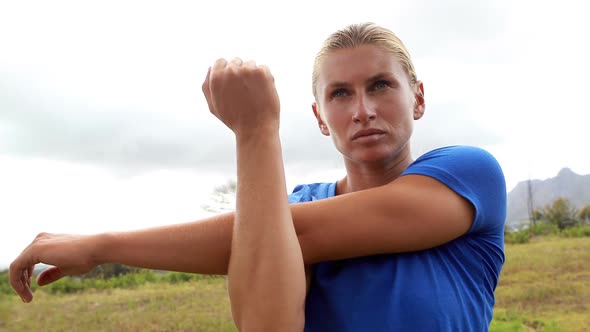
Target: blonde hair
{"x":356,"y":35}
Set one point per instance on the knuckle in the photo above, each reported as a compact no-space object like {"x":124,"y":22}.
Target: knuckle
{"x":220,"y":62}
{"x":41,"y":235}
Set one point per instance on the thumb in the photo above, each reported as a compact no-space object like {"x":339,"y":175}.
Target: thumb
{"x":207,"y":91}
{"x":49,"y":275}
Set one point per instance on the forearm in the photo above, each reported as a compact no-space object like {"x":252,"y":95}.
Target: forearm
{"x":198,"y":247}
{"x":266,"y":278}
{"x":327,"y":229}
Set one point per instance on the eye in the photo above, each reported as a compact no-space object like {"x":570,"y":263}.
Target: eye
{"x":339,"y":93}
{"x":381,"y":84}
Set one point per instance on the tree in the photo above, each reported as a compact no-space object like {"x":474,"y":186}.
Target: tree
{"x":537,"y":214}
{"x":222,"y":199}
{"x":110,"y":270}
{"x":561,"y":213}
{"x":584,"y":214}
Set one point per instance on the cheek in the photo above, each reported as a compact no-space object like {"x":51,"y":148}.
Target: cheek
{"x":338,"y":124}
{"x":334,"y":118}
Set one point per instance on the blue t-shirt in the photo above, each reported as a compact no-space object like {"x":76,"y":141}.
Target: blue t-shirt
{"x":446,"y":288}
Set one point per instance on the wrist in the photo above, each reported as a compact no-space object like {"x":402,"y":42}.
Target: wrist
{"x":100,"y":248}
{"x":260,"y":134}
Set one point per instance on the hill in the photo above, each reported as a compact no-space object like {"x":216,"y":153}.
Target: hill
{"x":574,"y":187}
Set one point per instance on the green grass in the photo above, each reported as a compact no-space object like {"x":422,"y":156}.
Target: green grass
{"x":544,"y":286}
{"x":191,"y":306}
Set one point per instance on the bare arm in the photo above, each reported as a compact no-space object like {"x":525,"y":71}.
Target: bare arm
{"x":394,"y":220}
{"x":266,"y":277}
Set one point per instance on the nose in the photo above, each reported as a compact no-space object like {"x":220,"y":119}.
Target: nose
{"x":365,"y":110}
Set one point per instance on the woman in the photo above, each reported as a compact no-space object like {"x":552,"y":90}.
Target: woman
{"x":396,"y":244}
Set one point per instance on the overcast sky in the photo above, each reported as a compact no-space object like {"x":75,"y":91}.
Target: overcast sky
{"x":103,"y":125}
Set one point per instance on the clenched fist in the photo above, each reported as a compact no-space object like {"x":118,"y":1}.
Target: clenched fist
{"x":243,"y":96}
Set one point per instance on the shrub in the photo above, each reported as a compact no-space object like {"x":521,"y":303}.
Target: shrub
{"x":543,"y":228}
{"x":5,"y":283}
{"x":68,"y":285}
{"x":65,"y":285}
{"x":522,"y":236}
{"x":576,"y":231}
{"x":176,"y":277}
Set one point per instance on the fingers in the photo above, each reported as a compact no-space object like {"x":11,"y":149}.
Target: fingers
{"x":249,"y":64}
{"x":30,"y":276}
{"x":49,"y":275}
{"x":236,"y":62}
{"x":207,"y":90}
{"x":241,"y":94}
{"x":20,"y":280}
{"x":267,"y":72}
{"x":221,"y":64}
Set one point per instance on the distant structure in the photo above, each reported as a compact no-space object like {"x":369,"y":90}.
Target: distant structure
{"x":530,"y":203}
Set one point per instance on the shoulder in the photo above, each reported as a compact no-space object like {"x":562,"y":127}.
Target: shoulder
{"x":312,"y":192}
{"x":459,"y":163}
{"x":457,"y":155}
{"x":471,"y":172}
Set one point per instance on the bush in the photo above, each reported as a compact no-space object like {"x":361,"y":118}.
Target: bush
{"x":5,"y":283}
{"x":177,"y":277}
{"x":68,"y":285}
{"x":576,"y":231}
{"x":543,"y":228}
{"x":522,"y":236}
{"x":65,"y":285}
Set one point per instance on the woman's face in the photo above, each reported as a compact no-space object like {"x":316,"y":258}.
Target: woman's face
{"x":366,"y":103}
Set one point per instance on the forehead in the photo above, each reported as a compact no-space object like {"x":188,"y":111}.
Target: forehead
{"x":351,"y":65}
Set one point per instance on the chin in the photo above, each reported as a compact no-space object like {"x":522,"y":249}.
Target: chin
{"x":372,"y":156}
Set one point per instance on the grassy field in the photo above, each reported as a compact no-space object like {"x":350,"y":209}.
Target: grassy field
{"x":545,"y":286}
{"x":192,"y":306}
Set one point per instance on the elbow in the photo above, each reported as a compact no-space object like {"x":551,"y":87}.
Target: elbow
{"x":253,"y":313}
{"x":290,"y":322}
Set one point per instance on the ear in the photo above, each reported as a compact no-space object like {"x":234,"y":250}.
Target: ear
{"x":323,"y":128}
{"x":419,"y":102}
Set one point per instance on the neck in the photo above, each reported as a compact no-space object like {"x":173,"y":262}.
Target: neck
{"x":361,"y":176}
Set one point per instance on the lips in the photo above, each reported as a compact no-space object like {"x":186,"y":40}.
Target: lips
{"x":367,"y":132}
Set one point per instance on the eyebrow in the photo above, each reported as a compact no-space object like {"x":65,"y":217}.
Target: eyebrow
{"x":373,"y":78}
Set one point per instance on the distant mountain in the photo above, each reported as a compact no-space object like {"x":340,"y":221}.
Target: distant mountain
{"x":574,"y":187}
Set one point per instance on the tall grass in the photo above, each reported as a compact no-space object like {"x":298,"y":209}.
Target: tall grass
{"x":544,"y":286}
{"x":197,"y":305}
{"x":69,"y":285}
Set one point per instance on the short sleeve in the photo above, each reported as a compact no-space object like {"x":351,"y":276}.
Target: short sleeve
{"x":474,"y":174}
{"x":300,"y":194}
{"x":312,"y":192}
